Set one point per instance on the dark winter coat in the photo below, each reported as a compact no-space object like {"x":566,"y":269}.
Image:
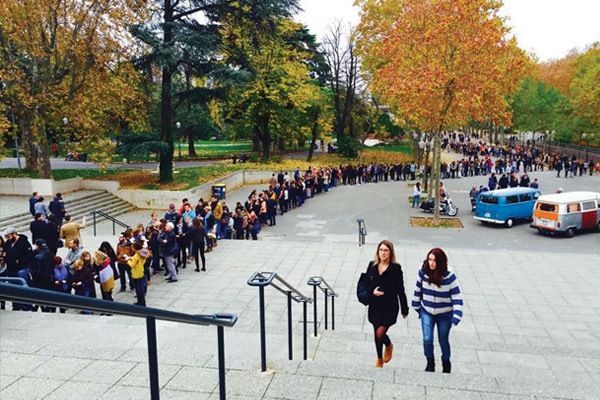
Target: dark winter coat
{"x":42,"y":269}
{"x":18,"y":255}
{"x":384,"y":310}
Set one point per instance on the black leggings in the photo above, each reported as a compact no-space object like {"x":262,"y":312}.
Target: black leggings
{"x":198,"y":248}
{"x":381,"y":338}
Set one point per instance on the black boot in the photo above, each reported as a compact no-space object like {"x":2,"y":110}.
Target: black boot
{"x":430,"y":365}
{"x":446,"y":367}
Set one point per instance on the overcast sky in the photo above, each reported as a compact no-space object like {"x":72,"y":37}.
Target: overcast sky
{"x":548,"y":28}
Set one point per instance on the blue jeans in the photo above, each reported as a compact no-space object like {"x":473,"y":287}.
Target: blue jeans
{"x":444,"y":323}
{"x":416,"y":200}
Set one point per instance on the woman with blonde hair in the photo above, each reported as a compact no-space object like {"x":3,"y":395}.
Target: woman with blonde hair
{"x":387,"y":298}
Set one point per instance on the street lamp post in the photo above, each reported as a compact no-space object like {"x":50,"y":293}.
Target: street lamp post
{"x":16,"y":141}
{"x":3,"y":87}
{"x":421,"y":150}
{"x":178,"y":125}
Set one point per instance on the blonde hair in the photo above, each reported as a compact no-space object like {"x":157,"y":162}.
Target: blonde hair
{"x":99,"y":257}
{"x":78,"y":264}
{"x":390,"y":246}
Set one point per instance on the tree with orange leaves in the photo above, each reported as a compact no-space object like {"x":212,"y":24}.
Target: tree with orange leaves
{"x":68,"y":61}
{"x":440,"y":63}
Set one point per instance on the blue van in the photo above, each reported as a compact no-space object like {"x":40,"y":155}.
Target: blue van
{"x":505,"y":206}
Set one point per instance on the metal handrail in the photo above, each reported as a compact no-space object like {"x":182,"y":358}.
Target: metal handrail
{"x":319,"y":282}
{"x":15,"y":280}
{"x":267,"y":278}
{"x":362,"y":231}
{"x":110,"y":218}
{"x":12,"y":292}
{"x":262,"y":280}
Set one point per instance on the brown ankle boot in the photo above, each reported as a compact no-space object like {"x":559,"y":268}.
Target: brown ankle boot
{"x":379,"y":363}
{"x":387,"y":353}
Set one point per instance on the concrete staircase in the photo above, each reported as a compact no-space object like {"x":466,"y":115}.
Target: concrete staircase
{"x":78,"y":208}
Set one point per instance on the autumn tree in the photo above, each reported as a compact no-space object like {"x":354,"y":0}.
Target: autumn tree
{"x":585,"y":90}
{"x":558,"y":73}
{"x":61,"y":60}
{"x":440,"y":63}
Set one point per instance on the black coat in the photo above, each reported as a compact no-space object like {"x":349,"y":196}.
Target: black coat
{"x":18,"y":254}
{"x":39,"y":230}
{"x":42,"y":269}
{"x":196,"y":236}
{"x":384,"y":310}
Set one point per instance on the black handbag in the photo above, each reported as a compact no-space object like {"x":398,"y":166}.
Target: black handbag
{"x":363,"y":288}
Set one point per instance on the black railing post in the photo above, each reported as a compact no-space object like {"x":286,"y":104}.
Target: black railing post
{"x":94,"y":218}
{"x":333,"y":313}
{"x":152,"y":358}
{"x":290,"y":349}
{"x":325,"y":291}
{"x":221,"y":343}
{"x":263,"y":341}
{"x":315,"y":309}
{"x":305,"y":339}
{"x":113,"y":221}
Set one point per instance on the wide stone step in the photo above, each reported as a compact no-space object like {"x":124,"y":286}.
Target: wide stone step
{"x":76,"y":204}
{"x":84,"y":206}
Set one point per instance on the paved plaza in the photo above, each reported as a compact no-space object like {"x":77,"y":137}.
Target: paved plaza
{"x":530,"y":330}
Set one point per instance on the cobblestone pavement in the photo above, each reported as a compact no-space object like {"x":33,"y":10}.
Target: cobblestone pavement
{"x":530,"y":331}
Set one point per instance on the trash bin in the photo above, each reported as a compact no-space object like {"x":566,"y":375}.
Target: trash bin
{"x":219,"y":191}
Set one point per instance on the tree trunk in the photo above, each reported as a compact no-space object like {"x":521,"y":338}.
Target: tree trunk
{"x":280,"y":143}
{"x":314,"y":134}
{"x":166,"y":109}
{"x":191,"y":147}
{"x":44,"y":167}
{"x":256,"y":139}
{"x":27,"y":142}
{"x":265,"y":137}
{"x":436,"y":174}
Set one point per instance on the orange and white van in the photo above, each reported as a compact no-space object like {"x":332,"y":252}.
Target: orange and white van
{"x":566,"y":213}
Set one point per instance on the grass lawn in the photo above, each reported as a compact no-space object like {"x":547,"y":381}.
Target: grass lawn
{"x":190,"y":177}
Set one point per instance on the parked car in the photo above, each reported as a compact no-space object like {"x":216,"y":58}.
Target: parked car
{"x":566,"y":213}
{"x":506,"y":206}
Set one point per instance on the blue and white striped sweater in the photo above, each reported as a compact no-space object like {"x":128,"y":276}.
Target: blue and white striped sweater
{"x":439,"y":300}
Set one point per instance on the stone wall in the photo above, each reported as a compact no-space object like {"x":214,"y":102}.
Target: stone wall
{"x":45,"y":187}
{"x":145,"y":199}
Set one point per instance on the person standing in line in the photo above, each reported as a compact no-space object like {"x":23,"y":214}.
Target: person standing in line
{"x":416,"y":195}
{"x":388,"y":298}
{"x":71,"y":230}
{"x":136,"y":263}
{"x":57,"y":208}
{"x":82,"y":280}
{"x":32,"y":200}
{"x":124,"y":252}
{"x":41,"y":207}
{"x":169,"y":251}
{"x":41,"y":270}
{"x":104,"y":274}
{"x":197,"y":236}
{"x":438,"y":301}
{"x":61,"y":277}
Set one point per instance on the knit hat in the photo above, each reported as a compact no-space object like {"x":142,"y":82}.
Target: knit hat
{"x":40,"y":243}
{"x":10,"y":230}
